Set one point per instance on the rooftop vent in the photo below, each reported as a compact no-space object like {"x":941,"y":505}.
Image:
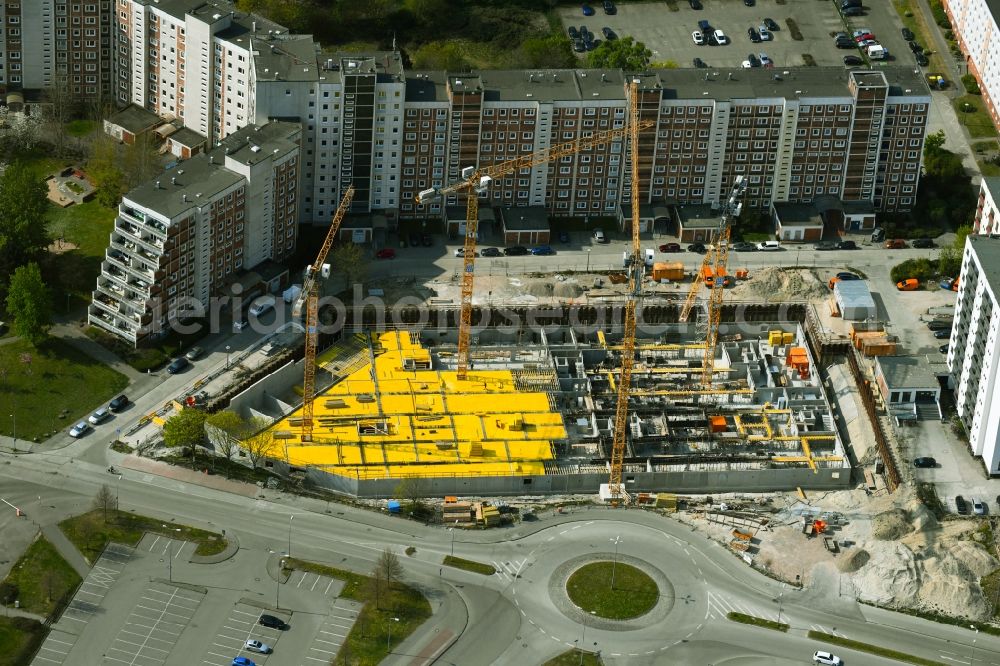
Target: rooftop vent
{"x":255,"y":149}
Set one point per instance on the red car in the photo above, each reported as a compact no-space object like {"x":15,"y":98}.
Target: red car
{"x":864,"y":37}
{"x":670,"y":247}
{"x":386,"y":253}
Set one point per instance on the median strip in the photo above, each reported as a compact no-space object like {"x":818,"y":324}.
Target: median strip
{"x":469,"y":565}
{"x":873,"y":649}
{"x":757,"y":621}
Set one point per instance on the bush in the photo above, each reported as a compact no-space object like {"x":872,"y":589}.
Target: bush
{"x":793,"y":28}
{"x":922,"y":269}
{"x":808,"y":60}
{"x":949,"y":35}
{"x":940,"y":16}
{"x":971,"y":85}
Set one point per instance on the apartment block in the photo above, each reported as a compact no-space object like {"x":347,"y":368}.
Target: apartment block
{"x":987,"y":220}
{"x":976,"y":24}
{"x":57,"y":43}
{"x":185,"y":236}
{"x":974,"y":352}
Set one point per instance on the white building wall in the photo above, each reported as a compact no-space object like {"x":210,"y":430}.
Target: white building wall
{"x":987,"y":212}
{"x":387,"y":148}
{"x":37,"y":45}
{"x":200,"y":51}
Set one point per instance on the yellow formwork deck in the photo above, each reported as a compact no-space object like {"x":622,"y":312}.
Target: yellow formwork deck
{"x":404,"y":421}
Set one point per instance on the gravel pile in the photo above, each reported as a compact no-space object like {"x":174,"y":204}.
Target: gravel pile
{"x":780,"y":284}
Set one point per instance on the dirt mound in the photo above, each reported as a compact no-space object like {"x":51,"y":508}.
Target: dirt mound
{"x":568,"y":290}
{"x":539,"y":288}
{"x":890,"y":577}
{"x":782,"y":284}
{"x":891,"y":525}
{"x":854,"y":561}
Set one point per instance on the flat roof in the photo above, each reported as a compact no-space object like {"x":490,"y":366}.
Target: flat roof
{"x":284,"y":57}
{"x":253,"y":143}
{"x":528,"y":218}
{"x":186,"y":136}
{"x":861,"y":207}
{"x":908,"y":372}
{"x":647,"y":211}
{"x":797,"y":215}
{"x":135,"y":119}
{"x":427,"y":86}
{"x":698,"y":216}
{"x":988,"y":251}
{"x":854,"y":294}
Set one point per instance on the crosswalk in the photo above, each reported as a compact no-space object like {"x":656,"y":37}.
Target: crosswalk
{"x":720,"y":606}
{"x":508,"y":571}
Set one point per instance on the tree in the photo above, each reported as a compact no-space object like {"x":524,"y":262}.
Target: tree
{"x":554,"y":51}
{"x":28,"y":302}
{"x":349,"y":260}
{"x":440,"y":55}
{"x":387,"y":570}
{"x":105,"y":501}
{"x":259,"y":439}
{"x":960,"y":235}
{"x":949,"y":262}
{"x":625,"y":53}
{"x":23,"y":132}
{"x":140,"y":161}
{"x":934,"y":142}
{"x":184,"y":429}
{"x":23,"y":227}
{"x":104,"y":170}
{"x":225,"y":429}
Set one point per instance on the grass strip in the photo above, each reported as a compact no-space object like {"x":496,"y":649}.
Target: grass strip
{"x":20,"y":638}
{"x":381,"y":625}
{"x":470,"y":565}
{"x":572,"y":658}
{"x":90,"y":532}
{"x":873,"y":649}
{"x":42,"y":578}
{"x":757,"y":621}
{"x":634,"y":593}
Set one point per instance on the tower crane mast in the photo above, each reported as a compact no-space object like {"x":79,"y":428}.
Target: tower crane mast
{"x":474,"y":182}
{"x":309,"y":298}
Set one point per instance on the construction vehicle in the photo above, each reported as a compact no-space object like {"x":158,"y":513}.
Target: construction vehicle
{"x":309,"y":297}
{"x":475,"y":182}
{"x":713,"y":271}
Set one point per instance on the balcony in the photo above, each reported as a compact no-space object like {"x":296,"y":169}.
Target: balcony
{"x":111,"y":324}
{"x":139,"y":236}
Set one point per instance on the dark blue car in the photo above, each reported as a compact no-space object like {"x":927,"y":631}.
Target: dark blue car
{"x":542,"y":251}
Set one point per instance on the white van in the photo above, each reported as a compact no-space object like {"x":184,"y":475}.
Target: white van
{"x":768,"y":246}
{"x":650,"y":257}
{"x":878,"y":52}
{"x":262,"y":305}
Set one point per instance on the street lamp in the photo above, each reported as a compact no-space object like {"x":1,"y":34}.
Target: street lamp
{"x":583,"y":638}
{"x":614,"y":563}
{"x":388,"y":635}
{"x":782,"y":592}
{"x":227,"y":357}
{"x":117,"y":483}
{"x":13,"y":419}
{"x":976,"y":629}
{"x":290,"y":535}
{"x":588,"y":259}
{"x":452,"y":530}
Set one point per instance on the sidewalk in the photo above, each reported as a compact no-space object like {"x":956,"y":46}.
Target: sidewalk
{"x":68,"y":551}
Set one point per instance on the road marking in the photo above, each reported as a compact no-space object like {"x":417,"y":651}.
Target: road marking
{"x":576,"y":527}
{"x":563,"y":532}
{"x":589,"y":523}
{"x":550,"y":538}
{"x":957,"y":661}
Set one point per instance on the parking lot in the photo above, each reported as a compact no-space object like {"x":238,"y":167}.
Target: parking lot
{"x":240,"y":626}
{"x":332,"y":632}
{"x":154,"y":625}
{"x":668,"y":34}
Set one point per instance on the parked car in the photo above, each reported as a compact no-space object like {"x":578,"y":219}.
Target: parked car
{"x":864,"y":37}
{"x":743,"y":247}
{"x":925,"y":461}
{"x":907,"y":34}
{"x":697,"y":247}
{"x":862,"y":31}
{"x":960,"y":505}
{"x":765,"y":34}
{"x":845,"y":44}
{"x":771,"y":24}
{"x":854,"y":11}
{"x":939,"y":325}
{"x":943,"y":334}
{"x":573,"y":34}
{"x":753,"y":34}
{"x":272,"y":622}
{"x":599,"y":236}
{"x":178,"y":365}
{"x":543,"y":251}
{"x":515,"y":251}
{"x":978,"y":508}
{"x":118,"y":403}
{"x":243,"y":661}
{"x":853,"y":61}
{"x":609,"y":7}
{"x":720,"y":37}
{"x":608,"y":33}
{"x":695,"y":4}
{"x":256,"y":646}
{"x":922,"y":60}
{"x":587,"y":10}
{"x":765,"y":61}
{"x":847,"y":245}
{"x":697,"y":37}
{"x":460,"y":252}
{"x":579,"y":46}
{"x":826,"y":245}
{"x":491,"y":252}
{"x":699,"y":63}
{"x":670,"y":247}
{"x":99,"y":416}
{"x":827,"y":658}
{"x":909,"y":284}
{"x":749,"y":3}
{"x":426,"y":240}
{"x":916,"y":48}
{"x":922,"y":243}
{"x":844,"y":275}
{"x":194,"y":353}
{"x":768,"y":246}
{"x":943,"y":349}
{"x":80,"y":429}
{"x":895,"y":244}
{"x":751,"y":61}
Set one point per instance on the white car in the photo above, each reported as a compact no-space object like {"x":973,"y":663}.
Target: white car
{"x":697,"y":37}
{"x":768,"y":246}
{"x":80,"y":429}
{"x":862,"y":31}
{"x":721,"y":38}
{"x":746,"y":64}
{"x":765,"y":34}
{"x":599,"y":236}
{"x":821,"y":657}
{"x":99,"y":416}
{"x":257,"y":646}
{"x":978,"y":507}
{"x":764,"y":60}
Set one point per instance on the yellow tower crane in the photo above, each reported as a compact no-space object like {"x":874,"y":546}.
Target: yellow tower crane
{"x":616,"y":489}
{"x":715,"y":266}
{"x":310,"y":298}
{"x":475,"y":182}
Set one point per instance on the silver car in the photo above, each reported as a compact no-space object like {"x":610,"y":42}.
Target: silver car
{"x":80,"y":429}
{"x":256,"y":646}
{"x":100,"y":416}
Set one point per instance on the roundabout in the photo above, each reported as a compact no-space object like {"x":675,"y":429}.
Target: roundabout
{"x":612,"y":591}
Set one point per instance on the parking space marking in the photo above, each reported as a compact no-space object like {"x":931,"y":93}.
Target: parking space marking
{"x":154,"y":624}
{"x":236,"y":631}
{"x":332,"y":633}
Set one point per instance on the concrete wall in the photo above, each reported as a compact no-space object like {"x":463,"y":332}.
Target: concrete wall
{"x":763,"y":480}
{"x":262,"y":395}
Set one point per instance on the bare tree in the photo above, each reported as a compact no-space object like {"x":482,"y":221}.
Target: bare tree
{"x":105,"y":501}
{"x":140,"y":160}
{"x":387,"y":569}
{"x":258,"y":440}
{"x":225,"y":429}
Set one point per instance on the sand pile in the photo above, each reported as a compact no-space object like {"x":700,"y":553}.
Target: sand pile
{"x":891,"y":525}
{"x":890,"y":577}
{"x":568,"y":290}
{"x":539,"y":288}
{"x":951,"y":580}
{"x":853,"y":560}
{"x":781,"y":284}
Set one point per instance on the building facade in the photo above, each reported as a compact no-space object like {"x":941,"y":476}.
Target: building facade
{"x":64,"y":44}
{"x":987,"y":220}
{"x":977,"y":30}
{"x":184,"y":237}
{"x":974,"y":350}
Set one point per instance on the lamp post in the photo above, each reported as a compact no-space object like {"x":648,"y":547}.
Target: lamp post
{"x":452,"y":530}
{"x":588,"y":259}
{"x":583,"y":638}
{"x":290,"y":535}
{"x":780,"y":593}
{"x":388,"y":635}
{"x":117,"y":484}
{"x":614,"y":563}
{"x":13,"y":419}
{"x":974,"y":628}
{"x":227,"y":357}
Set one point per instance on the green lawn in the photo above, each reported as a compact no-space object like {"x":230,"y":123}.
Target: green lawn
{"x":873,"y":649}
{"x":80,"y":128}
{"x":19,"y":640}
{"x":401,"y":610}
{"x":470,"y":565}
{"x":634,"y":593}
{"x":58,"y":379}
{"x":42,"y":578}
{"x":971,"y":112}
{"x":88,"y":227}
{"x":757,"y":621}
{"x":572,"y":658}
{"x":915,"y":22}
{"x":90,"y":533}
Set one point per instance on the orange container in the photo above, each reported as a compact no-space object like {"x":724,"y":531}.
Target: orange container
{"x":717,"y":424}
